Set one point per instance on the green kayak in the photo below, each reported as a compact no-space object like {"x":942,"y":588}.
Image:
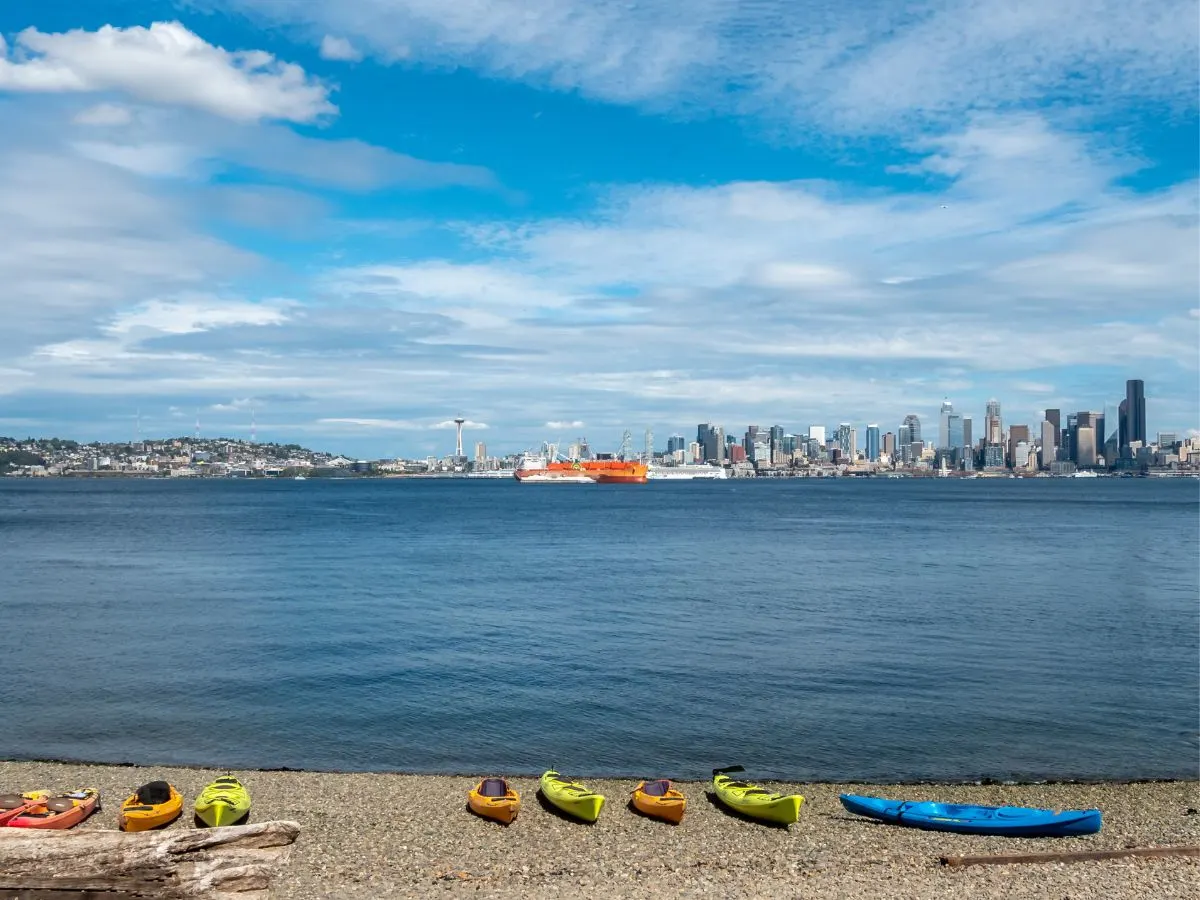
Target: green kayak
{"x":755,"y":801}
{"x":571,"y":797}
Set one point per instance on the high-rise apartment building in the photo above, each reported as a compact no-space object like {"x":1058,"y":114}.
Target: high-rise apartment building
{"x":845,"y":441}
{"x":1134,"y":414}
{"x":873,"y":447}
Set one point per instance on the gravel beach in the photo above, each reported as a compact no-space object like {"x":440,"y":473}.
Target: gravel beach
{"x":383,"y":835}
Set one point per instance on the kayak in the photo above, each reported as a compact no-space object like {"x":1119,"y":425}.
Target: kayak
{"x":755,"y":801}
{"x":153,"y":805}
{"x":492,"y":798}
{"x":224,"y":802}
{"x":12,"y":805}
{"x":56,"y":810}
{"x":1014,"y":821}
{"x":660,"y":800}
{"x":571,"y":797}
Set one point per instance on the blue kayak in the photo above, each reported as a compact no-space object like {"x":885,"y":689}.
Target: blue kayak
{"x":1011,"y":821}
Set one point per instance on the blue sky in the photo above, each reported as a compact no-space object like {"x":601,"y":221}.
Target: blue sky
{"x":353,"y":221}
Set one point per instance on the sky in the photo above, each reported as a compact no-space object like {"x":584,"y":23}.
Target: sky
{"x":346,"y":223}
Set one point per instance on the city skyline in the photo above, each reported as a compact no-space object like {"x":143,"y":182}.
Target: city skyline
{"x":334,"y":225}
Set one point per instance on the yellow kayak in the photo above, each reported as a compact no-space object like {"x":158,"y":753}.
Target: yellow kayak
{"x":752,"y":800}
{"x":153,"y":805}
{"x":571,"y":797}
{"x":224,"y":802}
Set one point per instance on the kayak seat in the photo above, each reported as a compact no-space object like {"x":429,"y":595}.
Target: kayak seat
{"x":493,"y":787}
{"x":154,"y":792}
{"x":656,"y":788}
{"x":229,"y":781}
{"x":139,"y":809}
{"x":60,"y":804}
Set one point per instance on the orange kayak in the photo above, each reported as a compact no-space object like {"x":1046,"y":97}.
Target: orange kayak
{"x":660,"y":800}
{"x":153,"y":805}
{"x":12,"y":805}
{"x":494,"y":799}
{"x":57,"y":810}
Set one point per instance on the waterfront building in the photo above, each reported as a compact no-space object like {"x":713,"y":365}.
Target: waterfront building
{"x":873,"y":448}
{"x":1134,"y":415}
{"x":737,"y":454}
{"x":1021,"y":455}
{"x":695,"y":453}
{"x":993,"y":456}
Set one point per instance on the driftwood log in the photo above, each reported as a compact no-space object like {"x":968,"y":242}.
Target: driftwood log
{"x":236,"y":862}
{"x":1068,"y":856}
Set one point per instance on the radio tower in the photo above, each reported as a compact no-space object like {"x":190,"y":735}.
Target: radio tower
{"x":458,"y":443}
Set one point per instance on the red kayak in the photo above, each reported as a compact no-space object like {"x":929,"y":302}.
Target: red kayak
{"x":56,"y":811}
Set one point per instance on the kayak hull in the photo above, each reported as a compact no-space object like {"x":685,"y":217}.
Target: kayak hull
{"x":757,"y":802}
{"x":502,"y":808}
{"x":669,"y":806}
{"x":45,"y":814}
{"x":138,"y":816}
{"x":223,"y":802}
{"x":1008,"y":821}
{"x":570,"y":797}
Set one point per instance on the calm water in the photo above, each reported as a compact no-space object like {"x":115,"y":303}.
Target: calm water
{"x":811,"y":630}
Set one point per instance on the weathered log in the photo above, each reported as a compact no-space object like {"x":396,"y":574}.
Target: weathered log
{"x":1068,"y":856}
{"x":236,"y":862}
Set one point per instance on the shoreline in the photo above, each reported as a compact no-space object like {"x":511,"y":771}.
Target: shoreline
{"x":981,"y":781}
{"x":385,"y":835}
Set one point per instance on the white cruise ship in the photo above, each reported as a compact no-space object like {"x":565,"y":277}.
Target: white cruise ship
{"x":685,"y":473}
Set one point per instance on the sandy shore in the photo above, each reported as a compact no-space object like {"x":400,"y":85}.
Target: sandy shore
{"x":379,"y":836}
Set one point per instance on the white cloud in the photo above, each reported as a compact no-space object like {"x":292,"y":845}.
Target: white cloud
{"x":166,"y":64}
{"x":339,"y":49}
{"x":187,"y":316}
{"x":104,"y":115}
{"x":858,"y":66}
{"x":560,"y":426}
{"x":401,"y":424}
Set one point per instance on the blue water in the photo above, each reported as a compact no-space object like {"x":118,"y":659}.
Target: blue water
{"x":808,"y":629}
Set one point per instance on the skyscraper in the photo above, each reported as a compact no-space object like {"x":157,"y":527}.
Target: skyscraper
{"x":944,"y":415}
{"x":816,"y":433}
{"x":873,"y":443}
{"x":844,"y":441}
{"x":954,"y":432}
{"x":914,"y":428}
{"x":676,"y":442}
{"x":1135,"y":412}
{"x":1017,"y":434}
{"x":903,"y":442}
{"x":1054,"y":417}
{"x":1049,"y":437}
{"x":1085,"y":445}
{"x":1123,"y":425}
{"x":967,"y":435}
{"x":993,"y":426}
